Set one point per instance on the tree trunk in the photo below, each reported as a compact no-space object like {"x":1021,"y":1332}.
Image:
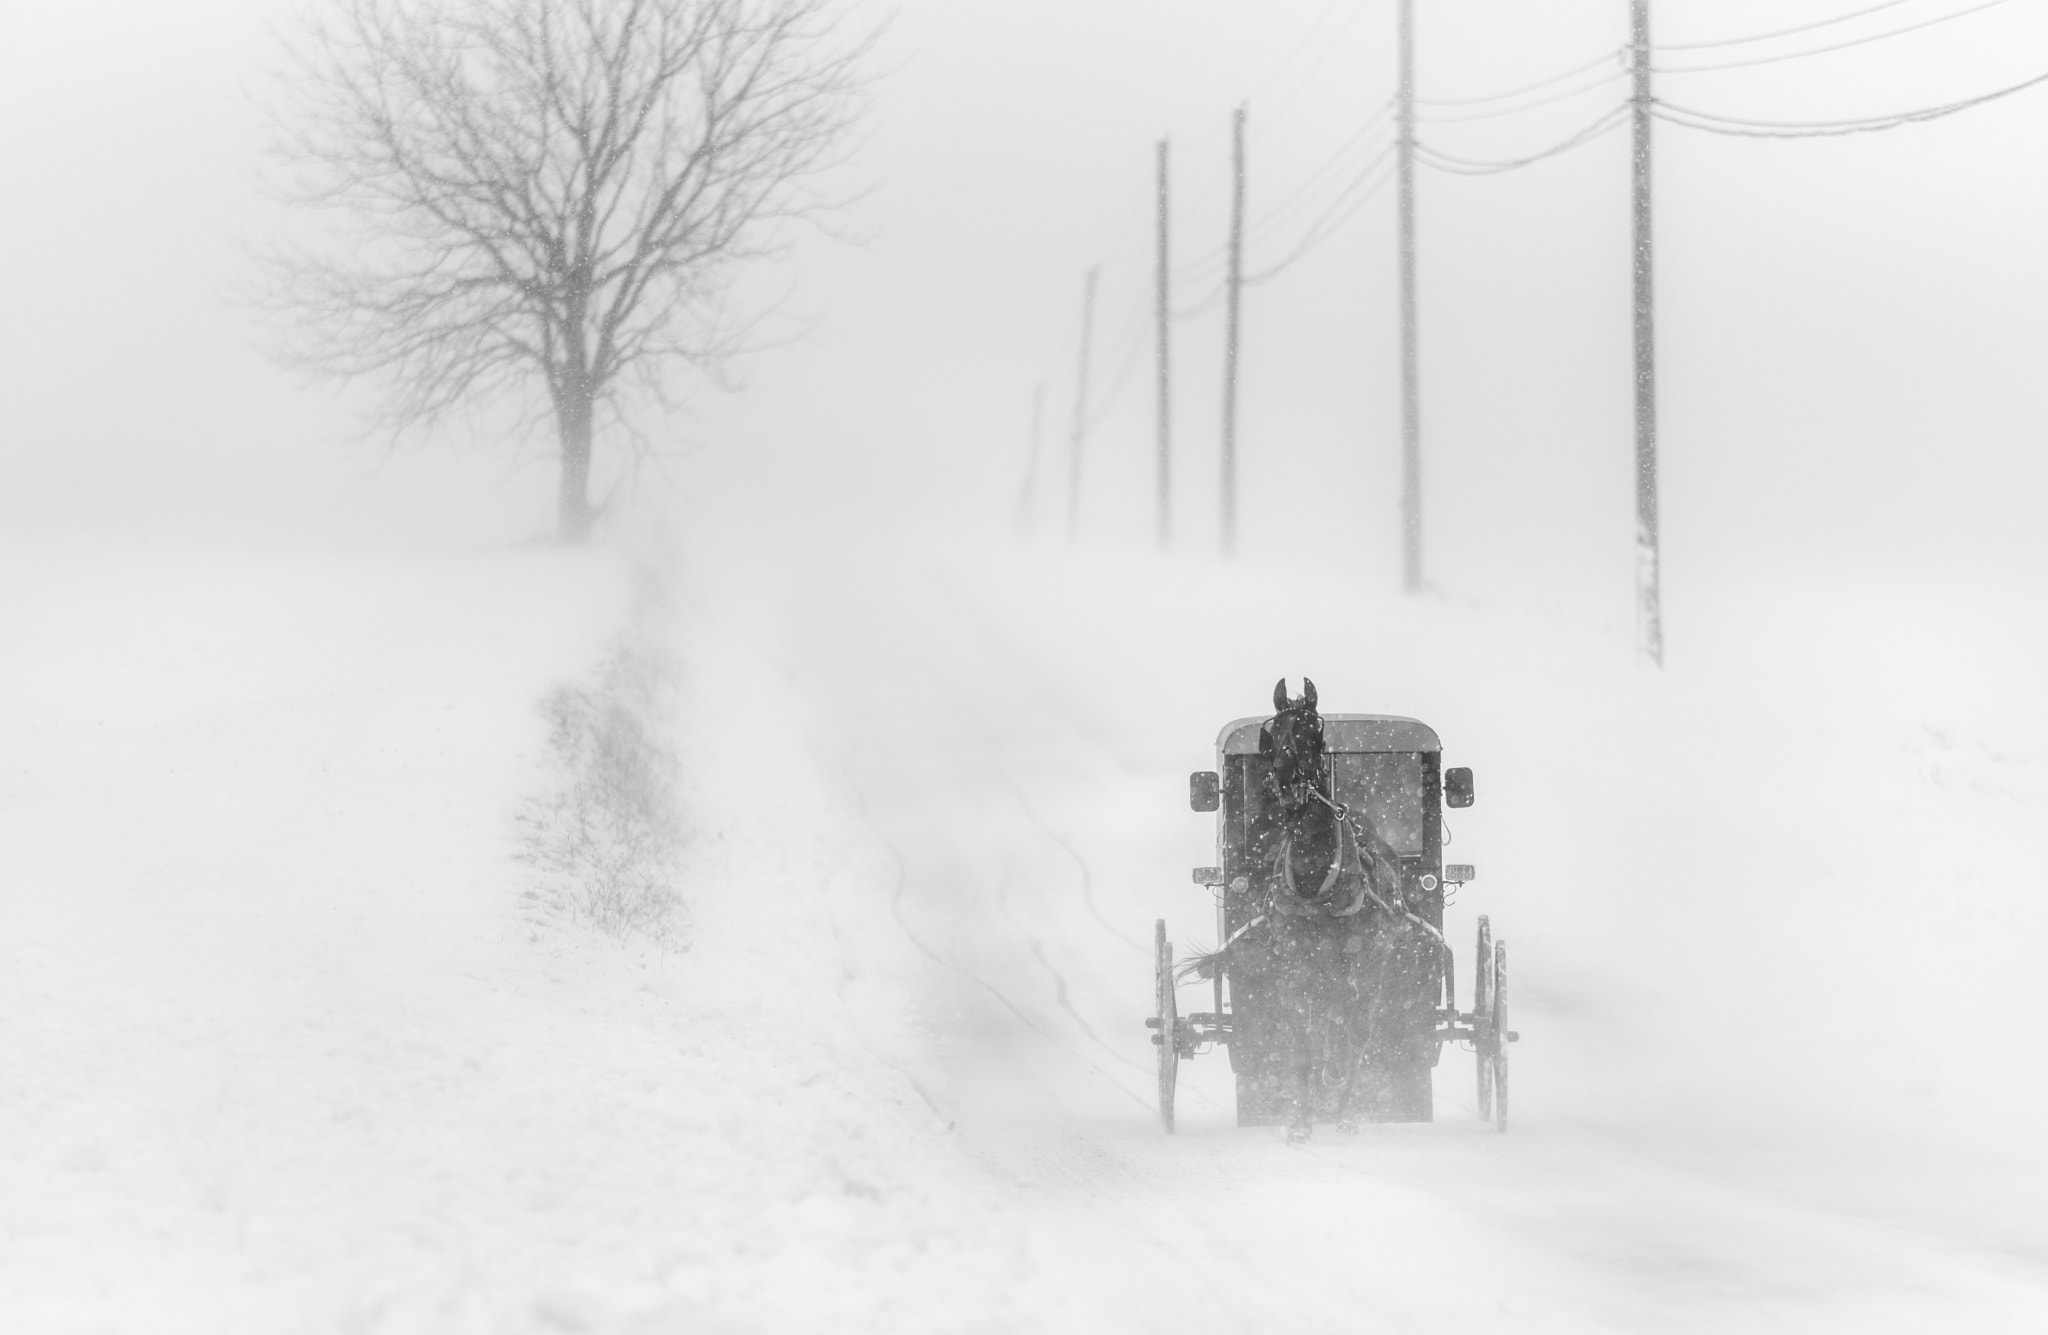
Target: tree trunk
{"x":573,"y":417}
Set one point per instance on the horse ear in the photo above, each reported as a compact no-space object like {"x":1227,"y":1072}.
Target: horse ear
{"x":1280,"y":694}
{"x":1308,"y":693}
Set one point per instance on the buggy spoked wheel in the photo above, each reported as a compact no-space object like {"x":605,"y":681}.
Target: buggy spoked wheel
{"x":1165,"y":1021}
{"x":1502,"y":1036}
{"x":1483,"y":1043}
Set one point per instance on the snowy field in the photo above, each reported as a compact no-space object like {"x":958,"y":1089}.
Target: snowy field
{"x":296,"y":1038}
{"x":285,"y":1046}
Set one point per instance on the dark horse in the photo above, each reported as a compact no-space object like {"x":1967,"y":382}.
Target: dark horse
{"x":1342,"y":940}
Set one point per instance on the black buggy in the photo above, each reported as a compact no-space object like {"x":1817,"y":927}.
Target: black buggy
{"x":1331,"y":987}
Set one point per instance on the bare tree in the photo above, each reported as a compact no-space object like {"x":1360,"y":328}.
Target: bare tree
{"x":545,"y":195}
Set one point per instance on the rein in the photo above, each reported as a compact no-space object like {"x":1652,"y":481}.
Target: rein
{"x":1347,"y":831}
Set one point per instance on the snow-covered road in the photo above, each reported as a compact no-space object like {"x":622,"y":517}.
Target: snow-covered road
{"x":1018,"y":742}
{"x":282,"y":1047}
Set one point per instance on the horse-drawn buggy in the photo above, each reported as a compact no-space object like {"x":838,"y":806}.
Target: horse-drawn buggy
{"x":1332,"y":987}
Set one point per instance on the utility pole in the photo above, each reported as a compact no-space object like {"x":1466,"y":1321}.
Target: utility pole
{"x":1233,"y":286}
{"x":1649,"y":596}
{"x":1027,"y":494}
{"x":1080,"y":435}
{"x":1411,"y":407}
{"x":1163,"y":313}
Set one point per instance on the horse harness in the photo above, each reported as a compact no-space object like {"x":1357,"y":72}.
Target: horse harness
{"x":1358,"y":859}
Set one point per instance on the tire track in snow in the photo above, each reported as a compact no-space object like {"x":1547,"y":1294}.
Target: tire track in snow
{"x":1087,"y":876}
{"x":1037,"y":946}
{"x":1061,"y":992}
{"x":1059,"y":980}
{"x":1031,"y":939}
{"x":1002,"y":998}
{"x":842,"y":984}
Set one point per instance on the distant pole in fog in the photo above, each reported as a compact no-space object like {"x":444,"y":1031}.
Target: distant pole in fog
{"x":1411,"y":407}
{"x":1163,"y":314}
{"x":1027,"y":494}
{"x":1649,"y":597}
{"x":1080,"y":435}
{"x":1233,"y":287}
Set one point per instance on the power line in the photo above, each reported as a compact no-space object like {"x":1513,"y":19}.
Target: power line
{"x":1129,"y":335}
{"x":1329,"y":49}
{"x":1782,"y":32}
{"x":1715,"y":123}
{"x":1446,"y":162}
{"x":1127,"y":362}
{"x":1214,"y":184}
{"x":1316,"y":239}
{"x":1639,"y":109}
{"x":1200,"y":268}
{"x":1568,"y":93}
{"x":1824,"y":50}
{"x":1124,"y":233}
{"x":1203,"y":268}
{"x":1571,"y":73}
{"x":1205,"y":305}
{"x":1326,"y":226}
{"x":1334,"y":214}
{"x":1286,"y":207}
{"x":1307,"y":39}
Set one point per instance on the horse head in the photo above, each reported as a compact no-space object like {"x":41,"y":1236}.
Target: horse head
{"x":1281,"y":704}
{"x":1292,"y":741}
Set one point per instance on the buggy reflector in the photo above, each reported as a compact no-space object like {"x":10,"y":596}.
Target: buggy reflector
{"x":1457,"y":873}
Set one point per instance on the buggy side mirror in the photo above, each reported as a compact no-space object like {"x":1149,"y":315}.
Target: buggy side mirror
{"x":1458,"y":787}
{"x":1204,"y":790}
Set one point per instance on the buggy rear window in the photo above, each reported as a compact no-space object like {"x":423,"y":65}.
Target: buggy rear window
{"x":1387,"y":786}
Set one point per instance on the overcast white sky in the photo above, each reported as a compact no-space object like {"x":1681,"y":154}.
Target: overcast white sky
{"x":1850,"y":329}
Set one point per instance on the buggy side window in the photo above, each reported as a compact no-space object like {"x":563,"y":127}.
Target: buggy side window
{"x":1252,"y":772}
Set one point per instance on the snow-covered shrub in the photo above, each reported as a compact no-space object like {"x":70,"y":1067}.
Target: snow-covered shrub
{"x":607,"y":837}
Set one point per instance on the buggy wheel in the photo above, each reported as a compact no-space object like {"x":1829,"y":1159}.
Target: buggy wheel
{"x":1501,"y":1036}
{"x":1483,"y":1043}
{"x":1169,"y":1053}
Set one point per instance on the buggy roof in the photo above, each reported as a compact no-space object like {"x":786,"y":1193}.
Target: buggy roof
{"x":1341,"y":732}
